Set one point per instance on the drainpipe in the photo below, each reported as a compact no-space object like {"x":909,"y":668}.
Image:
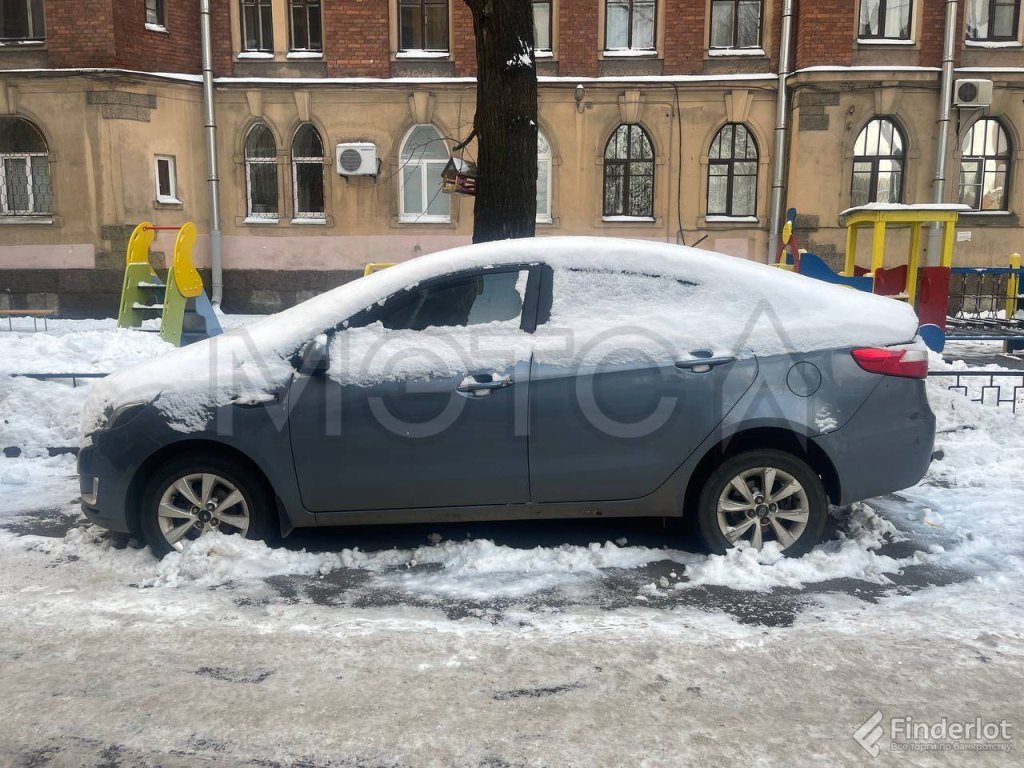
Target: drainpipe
{"x":781,"y":127}
{"x":210,"y":127}
{"x":942,"y":143}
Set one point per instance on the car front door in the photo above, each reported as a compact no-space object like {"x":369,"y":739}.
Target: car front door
{"x":614,"y":412}
{"x":420,"y":403}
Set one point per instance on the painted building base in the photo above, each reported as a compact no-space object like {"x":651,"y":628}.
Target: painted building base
{"x":96,"y":293}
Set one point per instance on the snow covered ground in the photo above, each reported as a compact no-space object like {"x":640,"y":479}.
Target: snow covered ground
{"x":605,"y":643}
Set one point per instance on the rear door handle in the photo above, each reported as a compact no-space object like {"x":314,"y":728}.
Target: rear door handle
{"x":482,"y":384}
{"x":703,"y":364}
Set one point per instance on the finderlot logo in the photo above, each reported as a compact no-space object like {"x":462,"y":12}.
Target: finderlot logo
{"x":869,"y":734}
{"x":908,"y":734}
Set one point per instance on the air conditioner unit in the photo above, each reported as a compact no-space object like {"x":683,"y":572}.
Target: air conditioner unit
{"x":358,"y":158}
{"x":972,"y":93}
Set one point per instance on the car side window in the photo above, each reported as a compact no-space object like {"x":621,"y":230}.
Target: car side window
{"x":470,"y":300}
{"x":579,"y":295}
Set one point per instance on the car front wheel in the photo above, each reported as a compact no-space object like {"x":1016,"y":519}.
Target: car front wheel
{"x":194,"y":495}
{"x":761,"y":496}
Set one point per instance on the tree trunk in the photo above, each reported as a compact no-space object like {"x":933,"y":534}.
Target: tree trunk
{"x":506,"y":120}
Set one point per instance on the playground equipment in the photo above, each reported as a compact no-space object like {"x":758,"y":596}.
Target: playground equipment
{"x":184,"y":310}
{"x":376,"y":266}
{"x":951,"y":302}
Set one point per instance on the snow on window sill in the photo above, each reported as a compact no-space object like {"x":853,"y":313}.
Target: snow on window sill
{"x":26,"y":219}
{"x":731,"y":219}
{"x":20,"y":43}
{"x":545,"y":220}
{"x":156,"y":28}
{"x":260,"y":220}
{"x":628,"y":219}
{"x":543,"y":53}
{"x":305,"y":55}
{"x":736,"y":52}
{"x":310,"y":219}
{"x":415,"y":53}
{"x":883,"y":41}
{"x":631,"y":53}
{"x":166,"y":200}
{"x":411,"y":218}
{"x":254,"y":55}
{"x":993,"y":44}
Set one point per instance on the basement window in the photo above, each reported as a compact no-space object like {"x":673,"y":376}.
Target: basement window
{"x":166,"y":180}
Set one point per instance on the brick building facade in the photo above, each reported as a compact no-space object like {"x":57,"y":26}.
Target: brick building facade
{"x":96,"y":94}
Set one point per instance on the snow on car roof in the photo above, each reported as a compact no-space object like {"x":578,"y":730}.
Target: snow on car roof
{"x":736,"y":307}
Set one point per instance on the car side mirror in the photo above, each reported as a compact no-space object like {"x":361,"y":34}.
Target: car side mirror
{"x":316,"y":356}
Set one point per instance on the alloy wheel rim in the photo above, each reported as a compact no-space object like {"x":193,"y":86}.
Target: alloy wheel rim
{"x":763,"y":504}
{"x":200,"y":502}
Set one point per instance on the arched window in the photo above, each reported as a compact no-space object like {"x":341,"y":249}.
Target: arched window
{"x":24,"y":169}
{"x":985,"y":166}
{"x":308,"y":173}
{"x":543,"y":179}
{"x":878,"y":163}
{"x":629,"y":173}
{"x":260,"y":173}
{"x":732,"y":172}
{"x":422,"y":157}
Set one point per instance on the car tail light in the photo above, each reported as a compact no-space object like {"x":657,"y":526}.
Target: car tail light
{"x":908,"y":363}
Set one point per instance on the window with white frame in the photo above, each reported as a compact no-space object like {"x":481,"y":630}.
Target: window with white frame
{"x":308,"y":174}
{"x":735,"y":24}
{"x":544,"y":169}
{"x":423,"y":26}
{"x":985,"y":166}
{"x":166,"y":179}
{"x":629,"y":174}
{"x":629,"y":25}
{"x":24,"y":169}
{"x":261,"y":174}
{"x":257,"y":26}
{"x":878,"y":158}
{"x":885,"y":19}
{"x":993,"y":21}
{"x":422,"y":158}
{"x":156,"y":13}
{"x":21,"y":21}
{"x":732,"y":172}
{"x":542,"y":25}
{"x":305,"y":26}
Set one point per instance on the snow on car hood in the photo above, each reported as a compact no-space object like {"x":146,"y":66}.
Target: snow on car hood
{"x":682,"y":298}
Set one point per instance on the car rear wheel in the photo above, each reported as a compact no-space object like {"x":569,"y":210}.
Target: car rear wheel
{"x":761,"y":496}
{"x":195,"y":495}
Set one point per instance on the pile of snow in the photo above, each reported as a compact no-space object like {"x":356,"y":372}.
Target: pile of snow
{"x":38,"y":415}
{"x":853,"y":556}
{"x":652,"y":299}
{"x":78,"y":346}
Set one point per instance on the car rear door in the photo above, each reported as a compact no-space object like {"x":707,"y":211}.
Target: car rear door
{"x":420,"y":406}
{"x":619,"y":419}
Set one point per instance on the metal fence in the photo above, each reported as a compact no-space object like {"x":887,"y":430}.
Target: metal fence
{"x":998,"y":388}
{"x":72,"y":377}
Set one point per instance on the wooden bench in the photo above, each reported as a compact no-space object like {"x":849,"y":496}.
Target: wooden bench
{"x":35,"y":314}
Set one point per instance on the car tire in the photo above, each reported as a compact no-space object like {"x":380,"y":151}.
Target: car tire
{"x":239,"y":502}
{"x":793,"y":512}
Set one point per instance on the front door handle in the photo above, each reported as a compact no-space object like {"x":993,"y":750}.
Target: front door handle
{"x":482,"y":384}
{"x":704,"y":364}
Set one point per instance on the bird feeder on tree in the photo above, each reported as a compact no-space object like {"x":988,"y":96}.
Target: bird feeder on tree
{"x":459,"y":177}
